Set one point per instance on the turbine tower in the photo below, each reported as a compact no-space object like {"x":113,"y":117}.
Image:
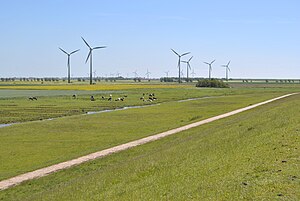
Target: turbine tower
{"x":188,"y":66}
{"x":209,"y":67}
{"x":179,"y":61}
{"x":69,"y":68}
{"x":90,"y":57}
{"x":227,"y":69}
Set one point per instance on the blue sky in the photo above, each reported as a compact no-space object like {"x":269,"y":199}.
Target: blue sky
{"x":260,"y":37}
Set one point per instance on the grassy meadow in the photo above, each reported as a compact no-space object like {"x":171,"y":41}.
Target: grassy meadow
{"x":253,"y":156}
{"x":174,"y":168}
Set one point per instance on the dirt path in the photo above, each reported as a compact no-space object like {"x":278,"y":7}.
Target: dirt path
{"x":64,"y":165}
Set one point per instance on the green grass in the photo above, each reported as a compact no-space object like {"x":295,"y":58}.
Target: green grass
{"x":16,"y":107}
{"x":28,"y":146}
{"x":250,"y":156}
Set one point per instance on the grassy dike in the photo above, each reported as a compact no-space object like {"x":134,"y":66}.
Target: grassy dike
{"x":253,"y":155}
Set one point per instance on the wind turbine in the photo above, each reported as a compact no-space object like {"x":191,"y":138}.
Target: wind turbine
{"x":94,"y":73}
{"x":181,"y":73}
{"x":227,"y":69}
{"x":118,"y":74}
{"x":69,"y":68}
{"x":167,"y":73}
{"x":90,"y":57}
{"x":188,"y":66}
{"x":210,"y":68}
{"x":179,"y":61}
{"x":193,"y":73}
{"x":148,"y":74}
{"x":135,"y":73}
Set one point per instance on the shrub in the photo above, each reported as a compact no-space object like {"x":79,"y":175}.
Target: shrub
{"x":214,"y":83}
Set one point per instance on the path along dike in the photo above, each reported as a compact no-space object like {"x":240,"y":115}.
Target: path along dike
{"x":67,"y":164}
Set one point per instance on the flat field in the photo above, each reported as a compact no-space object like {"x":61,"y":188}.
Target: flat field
{"x":191,"y":156}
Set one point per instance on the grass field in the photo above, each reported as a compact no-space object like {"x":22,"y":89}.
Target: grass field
{"x":57,"y":101}
{"x":35,"y":144}
{"x":38,"y":144}
{"x":253,"y":155}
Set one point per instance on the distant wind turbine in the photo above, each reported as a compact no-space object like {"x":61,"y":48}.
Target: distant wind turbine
{"x":181,"y":73}
{"x":148,"y":74}
{"x":210,"y":68}
{"x":188,"y":66}
{"x":135,"y":73}
{"x":179,"y":61}
{"x":193,"y":73}
{"x":167,"y":73}
{"x":94,"y":74}
{"x":227,"y":69}
{"x":69,"y":68}
{"x":90,"y":57}
{"x":118,"y":74}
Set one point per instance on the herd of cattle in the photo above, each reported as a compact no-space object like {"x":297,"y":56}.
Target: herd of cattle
{"x":147,"y":97}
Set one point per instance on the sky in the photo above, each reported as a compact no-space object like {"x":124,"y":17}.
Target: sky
{"x":260,"y":37}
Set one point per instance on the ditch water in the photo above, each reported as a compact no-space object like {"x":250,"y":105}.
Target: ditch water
{"x":191,"y":99}
{"x":4,"y":125}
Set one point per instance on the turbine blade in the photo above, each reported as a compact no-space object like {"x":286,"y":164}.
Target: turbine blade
{"x":229,"y":69}
{"x":74,"y":51}
{"x":189,"y":66}
{"x":86,"y":42}
{"x":99,"y":47}
{"x":190,"y":59}
{"x":175,"y":52}
{"x":228,"y":63}
{"x":184,"y":61}
{"x":206,"y":63}
{"x":212,"y":61}
{"x":185,"y":54}
{"x":63,"y":51}
{"x":88,"y":56}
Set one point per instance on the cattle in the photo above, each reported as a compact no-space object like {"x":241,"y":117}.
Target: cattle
{"x":74,"y":96}
{"x":92,"y":98}
{"x":32,"y":98}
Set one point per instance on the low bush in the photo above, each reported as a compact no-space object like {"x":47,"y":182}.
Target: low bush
{"x":213,"y":83}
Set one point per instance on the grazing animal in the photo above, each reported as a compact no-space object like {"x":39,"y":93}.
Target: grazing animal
{"x":103,"y":98}
{"x":30,"y":98}
{"x":142,"y":98}
{"x":125,"y":96}
{"x":92,"y":98}
{"x":109,"y":99}
{"x":34,"y":98}
{"x":74,"y":96}
{"x":122,"y":99}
